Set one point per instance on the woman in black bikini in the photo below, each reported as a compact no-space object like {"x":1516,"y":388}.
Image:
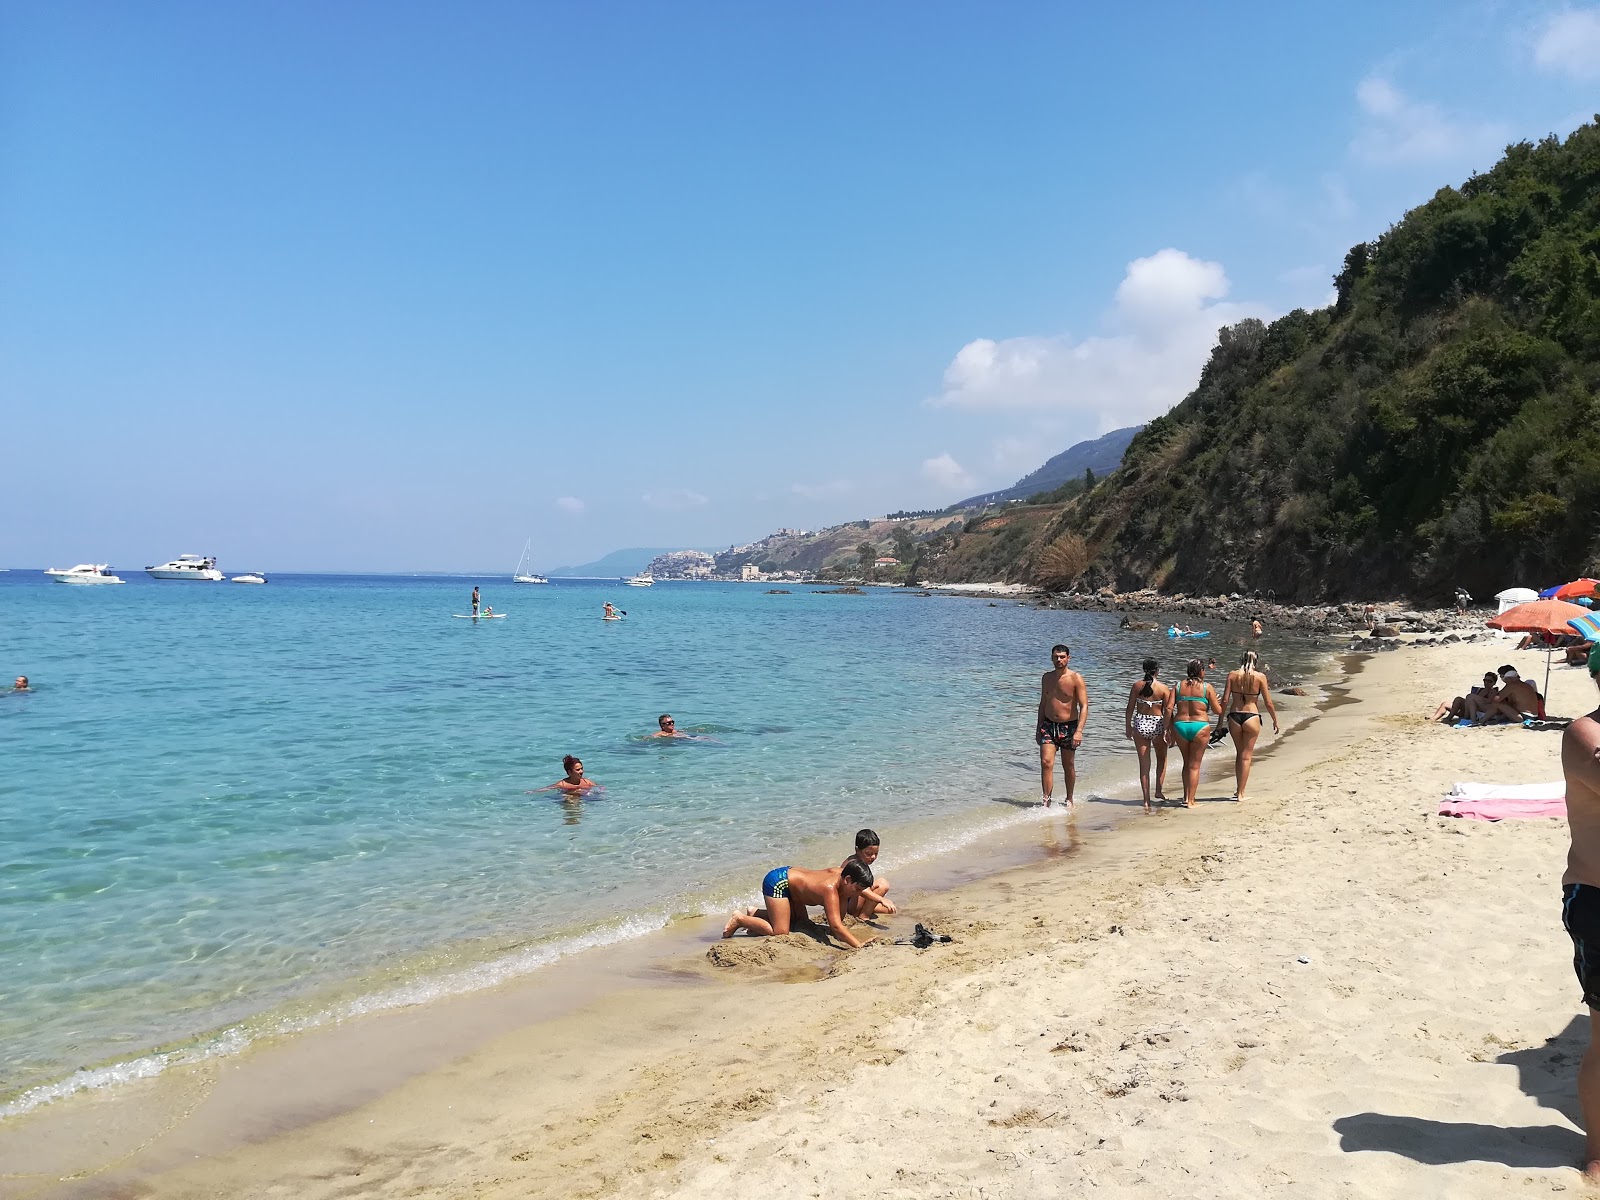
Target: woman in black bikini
{"x":1193,"y":702}
{"x":1149,"y":709}
{"x":1245,"y":687}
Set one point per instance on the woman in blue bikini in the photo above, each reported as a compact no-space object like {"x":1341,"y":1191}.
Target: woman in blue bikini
{"x":1191,"y":723}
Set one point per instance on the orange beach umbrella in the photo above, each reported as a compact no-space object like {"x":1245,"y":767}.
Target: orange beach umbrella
{"x":1539,"y":616}
{"x":1576,"y":589}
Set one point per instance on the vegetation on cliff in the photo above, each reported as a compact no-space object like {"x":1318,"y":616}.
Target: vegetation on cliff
{"x":1439,"y":425}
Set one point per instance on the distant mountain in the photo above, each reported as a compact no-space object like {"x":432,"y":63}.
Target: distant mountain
{"x":1102,"y":456}
{"x":622,"y":562}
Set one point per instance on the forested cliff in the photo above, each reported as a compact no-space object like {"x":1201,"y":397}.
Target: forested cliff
{"x":1438,"y":425}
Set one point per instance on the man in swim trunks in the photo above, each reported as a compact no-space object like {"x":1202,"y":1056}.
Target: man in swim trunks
{"x":1063,"y":708}
{"x":474,"y":601}
{"x":787,"y":891}
{"x":1580,"y":901}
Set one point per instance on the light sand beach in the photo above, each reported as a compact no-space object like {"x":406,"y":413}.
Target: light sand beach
{"x":1328,"y":991}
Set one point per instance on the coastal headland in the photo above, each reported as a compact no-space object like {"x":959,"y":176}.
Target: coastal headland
{"x":1328,"y":992}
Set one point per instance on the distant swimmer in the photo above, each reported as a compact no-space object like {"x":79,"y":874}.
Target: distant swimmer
{"x":1063,"y":708}
{"x":872,"y":900}
{"x":474,"y":601}
{"x":21,"y":685}
{"x":575,"y":783}
{"x":1255,"y":627}
{"x":787,"y":891}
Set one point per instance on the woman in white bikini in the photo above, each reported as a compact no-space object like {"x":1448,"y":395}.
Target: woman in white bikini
{"x":1149,"y":710}
{"x":1245,"y":688}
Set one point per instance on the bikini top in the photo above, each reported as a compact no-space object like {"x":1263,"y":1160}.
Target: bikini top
{"x":1182,"y":695}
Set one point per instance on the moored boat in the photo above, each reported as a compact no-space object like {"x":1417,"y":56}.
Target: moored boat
{"x":187,"y":566}
{"x":84,"y":573}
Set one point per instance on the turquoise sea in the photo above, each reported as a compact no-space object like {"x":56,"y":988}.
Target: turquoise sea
{"x":230,"y":811}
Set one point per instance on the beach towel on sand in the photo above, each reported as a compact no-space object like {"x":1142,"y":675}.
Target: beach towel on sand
{"x":1505,"y":801}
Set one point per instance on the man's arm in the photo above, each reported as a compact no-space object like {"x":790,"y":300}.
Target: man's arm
{"x":1580,"y":753}
{"x":1044,"y":694}
{"x":1083,"y":711}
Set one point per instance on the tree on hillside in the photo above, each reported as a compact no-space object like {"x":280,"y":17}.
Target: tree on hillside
{"x":905,"y":546}
{"x":868,"y":554}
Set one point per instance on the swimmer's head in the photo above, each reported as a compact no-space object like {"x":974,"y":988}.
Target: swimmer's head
{"x":22,"y":683}
{"x":856,"y":873}
{"x":666,"y":722}
{"x":1196,"y":668}
{"x":570,"y":763}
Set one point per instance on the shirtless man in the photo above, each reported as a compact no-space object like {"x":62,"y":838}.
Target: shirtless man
{"x":1063,"y":708}
{"x":789,"y":889}
{"x":1580,"y":901}
{"x":21,"y":685}
{"x":474,"y":601}
{"x":1518,"y":698}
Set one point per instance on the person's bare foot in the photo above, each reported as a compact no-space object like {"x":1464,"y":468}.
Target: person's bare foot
{"x":1045,"y":801}
{"x":1591,"y":1170}
{"x":730,"y":927}
{"x":1188,"y":803}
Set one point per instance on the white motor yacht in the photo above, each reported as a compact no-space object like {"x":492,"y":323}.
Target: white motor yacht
{"x":84,"y":573}
{"x":187,"y":566}
{"x":252,"y":577}
{"x":644,"y":580}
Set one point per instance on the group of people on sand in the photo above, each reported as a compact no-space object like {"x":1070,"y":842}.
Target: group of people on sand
{"x":1503,"y":696}
{"x":850,"y":889}
{"x":1156,"y":718}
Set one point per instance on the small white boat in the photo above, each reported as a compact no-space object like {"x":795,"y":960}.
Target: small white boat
{"x":84,"y":573}
{"x":522,"y":574}
{"x":187,"y":566}
{"x":252,"y":577}
{"x":644,"y":580}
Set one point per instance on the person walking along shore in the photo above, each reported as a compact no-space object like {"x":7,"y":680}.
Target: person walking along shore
{"x":1063,"y":708}
{"x":1146,"y":719}
{"x":1246,"y":687}
{"x":1193,"y":703}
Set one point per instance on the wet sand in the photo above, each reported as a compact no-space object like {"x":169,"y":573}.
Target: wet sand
{"x":1128,"y":1013}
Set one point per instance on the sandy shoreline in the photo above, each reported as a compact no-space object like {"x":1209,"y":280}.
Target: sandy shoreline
{"x":1129,"y":1014}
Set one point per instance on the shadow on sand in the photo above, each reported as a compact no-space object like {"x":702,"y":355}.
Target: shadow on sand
{"x":1546,"y":1073}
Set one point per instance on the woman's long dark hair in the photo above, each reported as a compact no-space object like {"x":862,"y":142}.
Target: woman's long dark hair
{"x":1151,"y":666}
{"x":1197,"y":669}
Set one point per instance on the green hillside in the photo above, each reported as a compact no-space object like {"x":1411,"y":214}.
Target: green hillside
{"x":1438,"y":425}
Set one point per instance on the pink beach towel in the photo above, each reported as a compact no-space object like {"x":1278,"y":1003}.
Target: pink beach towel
{"x":1505,"y":801}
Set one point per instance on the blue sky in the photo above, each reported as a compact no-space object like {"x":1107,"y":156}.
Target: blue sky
{"x":395,"y":286}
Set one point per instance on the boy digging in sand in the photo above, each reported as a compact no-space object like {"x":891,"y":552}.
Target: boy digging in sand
{"x":789,"y":889}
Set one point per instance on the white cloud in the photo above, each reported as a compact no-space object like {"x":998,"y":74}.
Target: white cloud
{"x":674,"y":498}
{"x":946,"y":472}
{"x":1569,"y":44}
{"x":1163,"y":324}
{"x":569,"y":504}
{"x":819,"y":491}
{"x":1400,"y":130}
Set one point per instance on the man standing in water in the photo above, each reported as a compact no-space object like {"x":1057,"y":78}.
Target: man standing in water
{"x":1063,"y":708}
{"x":1580,"y":901}
{"x":474,"y":601}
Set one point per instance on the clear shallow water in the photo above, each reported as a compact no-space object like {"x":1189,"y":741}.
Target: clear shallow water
{"x":232,"y":810}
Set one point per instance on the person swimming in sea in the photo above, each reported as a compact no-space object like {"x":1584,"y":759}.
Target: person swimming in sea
{"x":22,"y":684}
{"x":872,"y":900}
{"x":788,"y":890}
{"x":1193,"y":702}
{"x":574,"y":784}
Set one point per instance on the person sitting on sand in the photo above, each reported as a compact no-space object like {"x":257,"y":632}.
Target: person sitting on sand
{"x":1580,"y":901}
{"x":1469,"y":706}
{"x":1145,"y":724}
{"x":871,"y":901}
{"x":789,"y":889}
{"x":1518,"y":699}
{"x":574,"y":783}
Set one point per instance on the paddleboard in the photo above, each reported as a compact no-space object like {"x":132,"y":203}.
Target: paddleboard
{"x":481,"y":617}
{"x":611,"y":618}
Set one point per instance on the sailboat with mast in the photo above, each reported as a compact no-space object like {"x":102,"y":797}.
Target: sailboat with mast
{"x":523,"y":575}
